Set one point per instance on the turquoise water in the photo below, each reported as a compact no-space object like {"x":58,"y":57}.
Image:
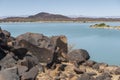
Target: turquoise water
{"x":103,"y":45}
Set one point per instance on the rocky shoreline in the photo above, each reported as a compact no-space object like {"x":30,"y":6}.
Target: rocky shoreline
{"x":33,"y":56}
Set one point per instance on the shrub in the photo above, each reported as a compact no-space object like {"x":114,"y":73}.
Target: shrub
{"x":102,"y":24}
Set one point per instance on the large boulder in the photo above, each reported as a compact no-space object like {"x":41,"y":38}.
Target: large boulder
{"x":60,"y":42}
{"x":31,"y":74}
{"x":43,"y":54}
{"x":8,"y":61}
{"x":117,"y":71}
{"x":9,"y":74}
{"x":21,"y":69}
{"x":37,"y":39}
{"x":6,"y":33}
{"x":56,"y":44}
{"x":29,"y":67}
{"x":104,"y":76}
{"x":3,"y":39}
{"x":2,"y":53}
{"x":61,"y":46}
{"x":19,"y":53}
{"x":78,"y":56}
{"x":29,"y":61}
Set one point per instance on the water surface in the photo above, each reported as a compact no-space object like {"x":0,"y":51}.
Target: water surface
{"x":102,"y":44}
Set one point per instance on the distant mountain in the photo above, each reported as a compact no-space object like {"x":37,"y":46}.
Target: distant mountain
{"x":43,"y":16}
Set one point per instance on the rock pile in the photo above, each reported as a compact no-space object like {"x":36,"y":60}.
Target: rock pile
{"x":33,"y":56}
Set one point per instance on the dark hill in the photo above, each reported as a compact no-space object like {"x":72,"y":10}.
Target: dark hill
{"x":44,"y":15}
{"x":38,"y":17}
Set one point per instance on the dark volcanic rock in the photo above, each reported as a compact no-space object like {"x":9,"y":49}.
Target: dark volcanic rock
{"x":19,"y":52}
{"x":37,"y":39}
{"x":60,"y":42}
{"x":8,"y":61}
{"x":78,"y":56}
{"x":29,"y":61}
{"x":78,"y":71}
{"x":89,"y":63}
{"x":21,"y":69}
{"x":96,"y":66}
{"x":92,"y":73}
{"x":61,"y":46}
{"x":9,"y":74}
{"x":104,"y":76}
{"x":6,"y":33}
{"x":29,"y":67}
{"x":44,"y":55}
{"x":2,"y":53}
{"x":30,"y":75}
{"x":62,"y":67}
{"x":56,"y":44}
{"x":117,"y":71}
{"x":86,"y":77}
{"x":3,"y":40}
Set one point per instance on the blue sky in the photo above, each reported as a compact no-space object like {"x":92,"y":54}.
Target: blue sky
{"x":97,"y":8}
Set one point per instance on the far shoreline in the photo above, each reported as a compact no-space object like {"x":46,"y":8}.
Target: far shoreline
{"x":58,"y":21}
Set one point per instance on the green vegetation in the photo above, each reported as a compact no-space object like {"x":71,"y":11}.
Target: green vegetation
{"x":103,"y":25}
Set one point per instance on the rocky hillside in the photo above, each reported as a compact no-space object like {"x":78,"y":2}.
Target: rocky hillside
{"x":33,"y":56}
{"x":48,"y":16}
{"x":43,"y":16}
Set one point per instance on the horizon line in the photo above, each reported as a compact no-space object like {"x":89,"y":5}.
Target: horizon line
{"x":71,"y":16}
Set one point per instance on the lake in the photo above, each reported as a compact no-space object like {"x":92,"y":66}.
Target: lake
{"x":103,"y":45}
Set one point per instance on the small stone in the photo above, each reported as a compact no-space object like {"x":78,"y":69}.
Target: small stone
{"x":89,"y":63}
{"x":86,"y":77}
{"x":117,"y":71}
{"x":104,"y":76}
{"x":78,"y":71}
{"x":92,"y":73}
